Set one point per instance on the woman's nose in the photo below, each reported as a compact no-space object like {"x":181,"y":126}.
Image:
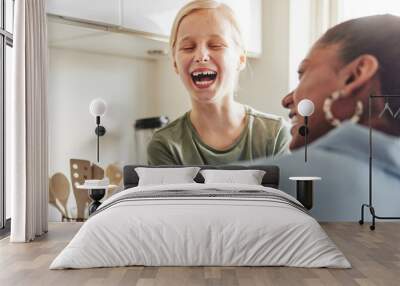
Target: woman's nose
{"x":287,"y":101}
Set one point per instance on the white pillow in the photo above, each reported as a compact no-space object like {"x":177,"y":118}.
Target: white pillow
{"x":163,"y":176}
{"x":248,"y":177}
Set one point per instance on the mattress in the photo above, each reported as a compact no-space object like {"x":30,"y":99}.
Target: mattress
{"x":201,"y":225}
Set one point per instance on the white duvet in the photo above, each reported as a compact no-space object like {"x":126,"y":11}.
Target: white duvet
{"x":200,"y":231}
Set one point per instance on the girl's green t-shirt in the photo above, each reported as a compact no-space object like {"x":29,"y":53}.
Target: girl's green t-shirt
{"x":178,"y":143}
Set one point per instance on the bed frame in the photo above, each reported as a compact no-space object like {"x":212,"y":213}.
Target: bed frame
{"x":270,"y":179}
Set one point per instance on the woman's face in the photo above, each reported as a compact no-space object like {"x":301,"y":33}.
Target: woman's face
{"x":206,"y":56}
{"x":319,"y":76}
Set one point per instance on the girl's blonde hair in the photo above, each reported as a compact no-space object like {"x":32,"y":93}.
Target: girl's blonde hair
{"x":198,"y":5}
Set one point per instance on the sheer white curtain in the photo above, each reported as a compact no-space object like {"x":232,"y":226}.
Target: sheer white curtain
{"x":28,"y":157}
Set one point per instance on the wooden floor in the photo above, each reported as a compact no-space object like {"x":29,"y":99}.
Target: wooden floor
{"x":375,"y":257}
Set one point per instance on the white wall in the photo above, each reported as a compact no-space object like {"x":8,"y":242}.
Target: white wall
{"x":75,"y":78}
{"x":262,"y":84}
{"x":171,"y":94}
{"x":266,"y":79}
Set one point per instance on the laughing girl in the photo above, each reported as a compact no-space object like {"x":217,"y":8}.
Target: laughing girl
{"x":208,"y":54}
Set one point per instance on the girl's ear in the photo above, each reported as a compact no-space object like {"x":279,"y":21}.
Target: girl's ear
{"x":176,"y":67}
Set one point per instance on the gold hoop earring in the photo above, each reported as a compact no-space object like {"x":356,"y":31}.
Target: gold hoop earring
{"x":327,"y":108}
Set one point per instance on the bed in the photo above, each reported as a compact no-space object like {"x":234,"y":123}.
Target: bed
{"x":201,"y":224}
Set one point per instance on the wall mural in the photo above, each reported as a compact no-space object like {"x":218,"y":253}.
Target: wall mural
{"x":136,"y":85}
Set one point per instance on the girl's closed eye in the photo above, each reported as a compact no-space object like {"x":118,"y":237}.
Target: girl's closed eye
{"x":217,"y":45}
{"x":186,"y":48}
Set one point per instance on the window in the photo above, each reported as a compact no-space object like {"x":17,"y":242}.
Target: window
{"x":6,"y":43}
{"x":360,"y":8}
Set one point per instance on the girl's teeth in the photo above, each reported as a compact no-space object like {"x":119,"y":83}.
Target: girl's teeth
{"x":203,"y":73}
{"x":204,"y":82}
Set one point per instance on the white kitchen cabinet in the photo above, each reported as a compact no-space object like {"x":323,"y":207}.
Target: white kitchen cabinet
{"x":99,"y":11}
{"x":156,"y":17}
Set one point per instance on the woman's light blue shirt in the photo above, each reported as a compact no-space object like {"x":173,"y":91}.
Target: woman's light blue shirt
{"x":341,"y":159}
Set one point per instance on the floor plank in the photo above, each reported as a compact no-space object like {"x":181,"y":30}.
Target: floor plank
{"x":374,"y":255}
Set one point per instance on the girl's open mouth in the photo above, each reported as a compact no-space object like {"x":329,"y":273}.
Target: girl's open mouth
{"x":203,"y":78}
